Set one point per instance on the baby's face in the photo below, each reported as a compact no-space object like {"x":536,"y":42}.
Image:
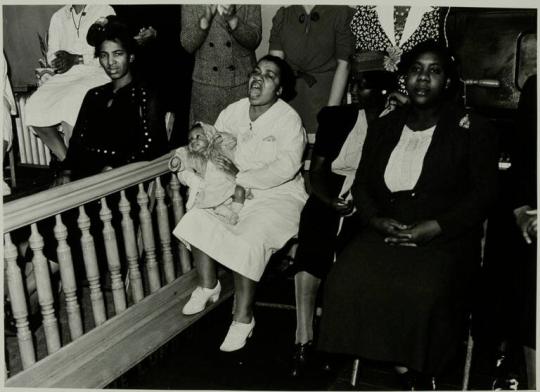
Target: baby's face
{"x":197,"y":140}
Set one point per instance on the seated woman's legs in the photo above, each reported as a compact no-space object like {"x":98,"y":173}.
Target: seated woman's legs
{"x":208,"y":288}
{"x":306,"y":288}
{"x":243,"y":320}
{"x":206,"y":268}
{"x":53,"y":139}
{"x":244,"y":291}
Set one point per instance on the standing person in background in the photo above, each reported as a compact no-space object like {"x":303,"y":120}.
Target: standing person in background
{"x":156,"y":28}
{"x":58,"y":101}
{"x":317,"y":42}
{"x":395,"y":30}
{"x":223,"y":39}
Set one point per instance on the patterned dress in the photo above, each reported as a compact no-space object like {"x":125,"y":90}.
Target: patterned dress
{"x":375,"y":28}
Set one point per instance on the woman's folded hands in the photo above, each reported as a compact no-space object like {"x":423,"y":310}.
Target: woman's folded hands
{"x":398,"y":233}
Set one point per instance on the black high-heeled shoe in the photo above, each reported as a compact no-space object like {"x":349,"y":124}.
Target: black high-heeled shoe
{"x":301,"y":357}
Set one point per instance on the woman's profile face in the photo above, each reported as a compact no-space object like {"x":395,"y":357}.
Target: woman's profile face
{"x":114,"y":59}
{"x":264,"y":83}
{"x":426,"y":79}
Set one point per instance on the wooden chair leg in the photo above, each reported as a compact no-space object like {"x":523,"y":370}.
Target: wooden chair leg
{"x":468,"y":362}
{"x":354,"y":374}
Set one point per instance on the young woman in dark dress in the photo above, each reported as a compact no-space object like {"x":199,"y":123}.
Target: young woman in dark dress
{"x":120,"y":122}
{"x":423,"y":188}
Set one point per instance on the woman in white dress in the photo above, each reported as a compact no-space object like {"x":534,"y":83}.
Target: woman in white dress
{"x":59,"y":99}
{"x":268,"y":158}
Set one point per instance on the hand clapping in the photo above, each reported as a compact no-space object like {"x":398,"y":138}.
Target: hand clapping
{"x":145,"y":34}
{"x":228,"y":11}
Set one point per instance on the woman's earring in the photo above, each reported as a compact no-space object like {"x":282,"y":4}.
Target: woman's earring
{"x":131,"y":58}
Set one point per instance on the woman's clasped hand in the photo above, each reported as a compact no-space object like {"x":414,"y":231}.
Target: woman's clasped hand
{"x":398,"y":233}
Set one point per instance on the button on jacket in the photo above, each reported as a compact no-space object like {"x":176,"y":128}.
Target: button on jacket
{"x":223,"y":58}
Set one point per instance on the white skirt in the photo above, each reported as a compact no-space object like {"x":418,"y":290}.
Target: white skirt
{"x":60,"y":98}
{"x":266,"y":223}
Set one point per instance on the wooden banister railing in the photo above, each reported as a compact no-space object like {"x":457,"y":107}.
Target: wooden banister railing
{"x":21,"y":212}
{"x":83,"y":339}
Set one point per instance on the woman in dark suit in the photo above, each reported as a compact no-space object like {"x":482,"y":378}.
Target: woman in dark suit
{"x":425,"y":182}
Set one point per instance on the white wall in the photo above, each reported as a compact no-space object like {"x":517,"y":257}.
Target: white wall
{"x":268,"y":12}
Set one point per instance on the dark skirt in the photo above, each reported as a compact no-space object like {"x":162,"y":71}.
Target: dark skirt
{"x":394,"y":304}
{"x":318,"y":239}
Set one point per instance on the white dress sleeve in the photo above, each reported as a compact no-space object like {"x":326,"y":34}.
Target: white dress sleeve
{"x":55,"y":31}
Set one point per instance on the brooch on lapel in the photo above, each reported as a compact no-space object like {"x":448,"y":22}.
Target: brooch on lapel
{"x":392,"y":59}
{"x":465,"y":122}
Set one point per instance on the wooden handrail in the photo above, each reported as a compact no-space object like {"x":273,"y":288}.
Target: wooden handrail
{"x":33,"y":208}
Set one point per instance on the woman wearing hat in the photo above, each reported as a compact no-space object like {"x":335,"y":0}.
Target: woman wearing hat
{"x":323,"y":229}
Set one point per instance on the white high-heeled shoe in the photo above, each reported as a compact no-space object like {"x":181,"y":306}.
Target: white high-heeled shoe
{"x":199,"y":298}
{"x":237,"y":335}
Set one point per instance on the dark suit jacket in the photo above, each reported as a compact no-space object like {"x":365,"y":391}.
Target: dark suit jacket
{"x":457,"y":186}
{"x":335,"y":124}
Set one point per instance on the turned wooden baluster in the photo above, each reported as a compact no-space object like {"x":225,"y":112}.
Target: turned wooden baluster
{"x":178,"y":209}
{"x":164,"y":232}
{"x":113,"y":258}
{"x":91,"y":268}
{"x":132,"y":254}
{"x":69,"y":286}
{"x":44,"y":290}
{"x":18,"y":303}
{"x":145,"y":219}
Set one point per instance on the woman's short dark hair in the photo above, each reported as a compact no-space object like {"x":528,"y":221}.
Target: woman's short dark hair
{"x":287,"y":77}
{"x":111,"y":28}
{"x":448,"y":61}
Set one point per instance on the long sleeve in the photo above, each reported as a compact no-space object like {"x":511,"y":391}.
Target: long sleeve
{"x":481,"y":189}
{"x":53,"y":42}
{"x":191,"y":35}
{"x":275,"y":32}
{"x":363,"y":200}
{"x":248,"y":33}
{"x":76,"y":151}
{"x":153,"y":140}
{"x":290,"y":143}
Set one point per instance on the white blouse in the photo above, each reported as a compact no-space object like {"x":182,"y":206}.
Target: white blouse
{"x":269,"y":150}
{"x":349,"y":156}
{"x":406,"y":161}
{"x":63,"y":34}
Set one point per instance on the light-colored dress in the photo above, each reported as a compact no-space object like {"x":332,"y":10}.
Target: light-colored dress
{"x":60,"y":98}
{"x":8,"y":109}
{"x":268,"y":155}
